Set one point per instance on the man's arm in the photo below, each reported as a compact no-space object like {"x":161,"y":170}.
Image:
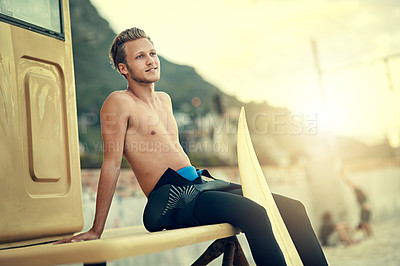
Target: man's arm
{"x":114,"y":121}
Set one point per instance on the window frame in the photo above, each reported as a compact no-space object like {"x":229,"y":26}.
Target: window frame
{"x":35,"y":28}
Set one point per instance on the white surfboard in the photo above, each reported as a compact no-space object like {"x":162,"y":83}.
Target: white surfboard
{"x":255,"y":187}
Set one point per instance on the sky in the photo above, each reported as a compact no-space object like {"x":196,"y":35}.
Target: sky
{"x":262,"y":50}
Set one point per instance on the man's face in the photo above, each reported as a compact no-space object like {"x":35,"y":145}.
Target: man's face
{"x":142,"y":62}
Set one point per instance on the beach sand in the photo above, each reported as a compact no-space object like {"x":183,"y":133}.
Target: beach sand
{"x":381,"y":249}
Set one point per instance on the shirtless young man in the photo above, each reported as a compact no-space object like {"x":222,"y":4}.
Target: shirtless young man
{"x":138,"y":123}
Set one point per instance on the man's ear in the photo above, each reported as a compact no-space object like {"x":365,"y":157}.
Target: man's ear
{"x":123,"y":69}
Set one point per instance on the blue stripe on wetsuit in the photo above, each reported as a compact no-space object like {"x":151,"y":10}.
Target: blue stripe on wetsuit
{"x":189,"y":172}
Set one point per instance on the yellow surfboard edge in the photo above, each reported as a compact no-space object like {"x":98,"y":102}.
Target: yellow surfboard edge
{"x":255,"y":187}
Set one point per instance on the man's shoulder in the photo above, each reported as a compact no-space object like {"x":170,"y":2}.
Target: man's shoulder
{"x":116,"y":100}
{"x":164,"y":98}
{"x":162,"y":95}
{"x":117,"y":96}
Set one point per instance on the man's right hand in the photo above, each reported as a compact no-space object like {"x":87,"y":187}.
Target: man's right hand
{"x":89,"y":235}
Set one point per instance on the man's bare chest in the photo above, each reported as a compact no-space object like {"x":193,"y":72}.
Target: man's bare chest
{"x":151,"y":124}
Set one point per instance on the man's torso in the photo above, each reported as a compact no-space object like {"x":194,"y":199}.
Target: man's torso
{"x":151,"y":142}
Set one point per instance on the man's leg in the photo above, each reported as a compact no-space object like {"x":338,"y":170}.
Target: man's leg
{"x":222,"y":207}
{"x":299,"y":226}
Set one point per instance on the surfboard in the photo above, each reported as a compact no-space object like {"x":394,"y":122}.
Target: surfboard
{"x":255,"y":187}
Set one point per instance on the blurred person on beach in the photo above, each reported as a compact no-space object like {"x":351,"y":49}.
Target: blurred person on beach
{"x":331,"y":233}
{"x":138,"y":123}
{"x":365,"y":208}
{"x":365,"y":218}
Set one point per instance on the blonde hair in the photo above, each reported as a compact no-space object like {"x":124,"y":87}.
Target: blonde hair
{"x":117,"y":49}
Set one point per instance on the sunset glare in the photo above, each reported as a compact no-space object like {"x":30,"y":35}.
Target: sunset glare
{"x":272,"y":51}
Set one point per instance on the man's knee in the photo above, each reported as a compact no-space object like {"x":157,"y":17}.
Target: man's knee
{"x":255,"y":212}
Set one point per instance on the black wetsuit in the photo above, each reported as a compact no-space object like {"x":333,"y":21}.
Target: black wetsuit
{"x":176,"y":202}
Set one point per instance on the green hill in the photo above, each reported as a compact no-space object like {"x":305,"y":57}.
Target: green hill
{"x":275,"y":134}
{"x":95,"y":79}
